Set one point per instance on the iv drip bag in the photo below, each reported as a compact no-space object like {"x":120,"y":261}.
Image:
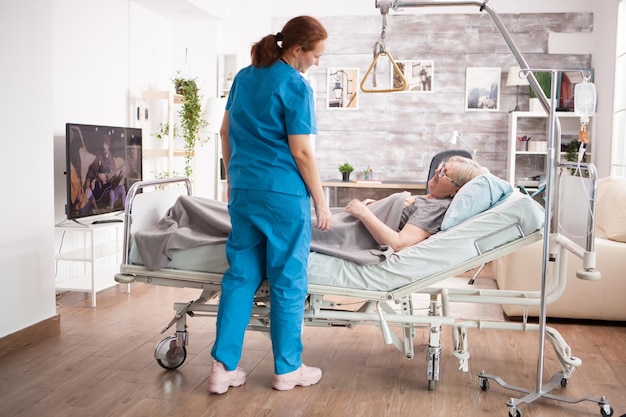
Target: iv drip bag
{"x":584,"y":100}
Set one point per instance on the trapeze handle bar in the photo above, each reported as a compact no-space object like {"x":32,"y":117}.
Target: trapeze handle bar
{"x":483,"y":6}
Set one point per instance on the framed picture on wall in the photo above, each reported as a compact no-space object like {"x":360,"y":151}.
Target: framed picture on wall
{"x":342,"y":88}
{"x":419,"y":75}
{"x":482,"y":89}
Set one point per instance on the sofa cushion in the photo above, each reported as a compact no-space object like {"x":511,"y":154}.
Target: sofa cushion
{"x":611,"y":208}
{"x":582,"y":299}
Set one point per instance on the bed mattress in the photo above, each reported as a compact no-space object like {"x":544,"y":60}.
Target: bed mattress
{"x":439,"y":252}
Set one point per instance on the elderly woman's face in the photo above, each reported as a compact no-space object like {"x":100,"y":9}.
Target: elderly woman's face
{"x":443,"y":184}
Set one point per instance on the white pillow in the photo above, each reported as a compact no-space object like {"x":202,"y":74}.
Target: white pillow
{"x":478,"y":195}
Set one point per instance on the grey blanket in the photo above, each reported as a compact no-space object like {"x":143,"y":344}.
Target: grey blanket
{"x":196,"y":221}
{"x":349,"y":239}
{"x":190,"y":222}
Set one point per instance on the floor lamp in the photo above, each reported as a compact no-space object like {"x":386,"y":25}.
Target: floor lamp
{"x":517,"y":79}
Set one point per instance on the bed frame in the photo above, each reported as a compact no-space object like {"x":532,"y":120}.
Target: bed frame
{"x":394,"y":311}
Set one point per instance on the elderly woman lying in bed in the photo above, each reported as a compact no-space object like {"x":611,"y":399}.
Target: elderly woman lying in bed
{"x":369,"y":231}
{"x":366,"y":232}
{"x":421,"y":215}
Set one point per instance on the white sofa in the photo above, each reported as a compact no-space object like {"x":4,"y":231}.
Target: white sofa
{"x":596,"y":300}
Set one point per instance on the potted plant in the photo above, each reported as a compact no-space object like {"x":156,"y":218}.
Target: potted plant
{"x":570,"y":151}
{"x":191,"y":120}
{"x":228,"y":82}
{"x":545,"y":81}
{"x":345,"y":170}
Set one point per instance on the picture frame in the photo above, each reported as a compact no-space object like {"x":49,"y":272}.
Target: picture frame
{"x":482,"y":89}
{"x":342,"y":88}
{"x":419,"y":75}
{"x":566,"y":86}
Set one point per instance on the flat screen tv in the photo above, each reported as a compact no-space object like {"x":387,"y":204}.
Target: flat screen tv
{"x":102,"y":162}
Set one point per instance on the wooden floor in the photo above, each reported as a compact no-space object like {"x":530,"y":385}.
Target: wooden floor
{"x":101,"y":364}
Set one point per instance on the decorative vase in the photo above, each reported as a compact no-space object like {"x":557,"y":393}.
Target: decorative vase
{"x":345,"y":176}
{"x":534,"y":106}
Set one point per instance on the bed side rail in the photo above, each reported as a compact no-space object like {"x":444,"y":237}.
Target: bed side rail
{"x":487,"y":256}
{"x":498,"y":238}
{"x":491,"y":251}
{"x":147,"y":202}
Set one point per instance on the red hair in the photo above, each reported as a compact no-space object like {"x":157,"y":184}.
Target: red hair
{"x":304,"y":31}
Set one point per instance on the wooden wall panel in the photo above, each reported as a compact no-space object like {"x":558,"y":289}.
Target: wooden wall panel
{"x":397,"y":134}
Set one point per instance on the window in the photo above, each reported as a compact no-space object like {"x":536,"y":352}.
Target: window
{"x":618,"y":148}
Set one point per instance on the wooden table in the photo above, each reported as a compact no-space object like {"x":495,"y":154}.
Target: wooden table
{"x":419,"y":187}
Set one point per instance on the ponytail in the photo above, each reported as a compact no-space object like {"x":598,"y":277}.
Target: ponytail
{"x":304,"y":31}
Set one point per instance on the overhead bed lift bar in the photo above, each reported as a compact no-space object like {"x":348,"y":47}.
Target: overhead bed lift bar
{"x":551,"y":165}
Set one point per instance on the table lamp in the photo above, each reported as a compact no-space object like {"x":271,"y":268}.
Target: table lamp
{"x":455,"y":137}
{"x":515,"y":78}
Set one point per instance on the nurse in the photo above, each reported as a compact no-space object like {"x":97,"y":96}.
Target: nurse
{"x":272,"y":174}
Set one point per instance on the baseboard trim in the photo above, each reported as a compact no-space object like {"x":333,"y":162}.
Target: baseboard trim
{"x":31,"y":334}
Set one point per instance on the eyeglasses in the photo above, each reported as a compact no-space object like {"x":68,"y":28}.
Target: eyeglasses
{"x":443,"y":173}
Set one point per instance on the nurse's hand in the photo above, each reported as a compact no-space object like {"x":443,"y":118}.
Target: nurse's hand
{"x":324,"y":217}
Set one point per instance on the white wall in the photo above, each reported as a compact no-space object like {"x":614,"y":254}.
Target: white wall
{"x":27,"y":210}
{"x":150,"y":46}
{"x":603,"y":61}
{"x":90,"y":73}
{"x":68,"y":63}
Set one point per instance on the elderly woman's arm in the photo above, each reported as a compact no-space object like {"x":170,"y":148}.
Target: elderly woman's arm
{"x":384,"y":235}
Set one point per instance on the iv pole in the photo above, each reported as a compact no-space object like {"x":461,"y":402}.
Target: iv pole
{"x":554,"y":135}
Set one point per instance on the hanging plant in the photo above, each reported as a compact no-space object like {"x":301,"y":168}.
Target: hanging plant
{"x":191,"y":120}
{"x":164,"y":131}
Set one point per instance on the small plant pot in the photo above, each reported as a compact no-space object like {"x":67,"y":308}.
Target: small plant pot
{"x":345,"y":176}
{"x":178,"y":86}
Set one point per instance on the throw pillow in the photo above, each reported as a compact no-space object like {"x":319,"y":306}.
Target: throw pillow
{"x":611,"y":207}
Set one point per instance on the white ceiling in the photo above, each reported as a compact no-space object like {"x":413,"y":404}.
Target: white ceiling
{"x":177,"y":9}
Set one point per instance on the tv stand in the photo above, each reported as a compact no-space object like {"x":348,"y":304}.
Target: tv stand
{"x":104,"y":221}
{"x":89,"y":262}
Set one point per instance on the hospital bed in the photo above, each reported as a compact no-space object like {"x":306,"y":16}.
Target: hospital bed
{"x":384,"y":293}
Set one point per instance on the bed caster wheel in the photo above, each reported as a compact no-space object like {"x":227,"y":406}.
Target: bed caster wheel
{"x":432,"y":385}
{"x":168,"y":354}
{"x":484,"y":384}
{"x":514,"y":412}
{"x":563,"y":382}
{"x":606,"y":410}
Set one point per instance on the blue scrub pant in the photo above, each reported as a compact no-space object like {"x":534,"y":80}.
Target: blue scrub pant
{"x":270,"y":238}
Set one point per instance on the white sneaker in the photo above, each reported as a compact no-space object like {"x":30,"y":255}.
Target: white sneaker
{"x":303,"y":376}
{"x":221,"y":379}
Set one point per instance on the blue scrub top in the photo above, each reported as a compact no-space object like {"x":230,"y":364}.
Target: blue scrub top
{"x":264,"y":106}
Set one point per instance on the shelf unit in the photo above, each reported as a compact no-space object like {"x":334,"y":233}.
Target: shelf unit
{"x":525,"y":164}
{"x":170,"y":151}
{"x":94,"y":261}
{"x":204,"y":159}
{"x":226,"y":70}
